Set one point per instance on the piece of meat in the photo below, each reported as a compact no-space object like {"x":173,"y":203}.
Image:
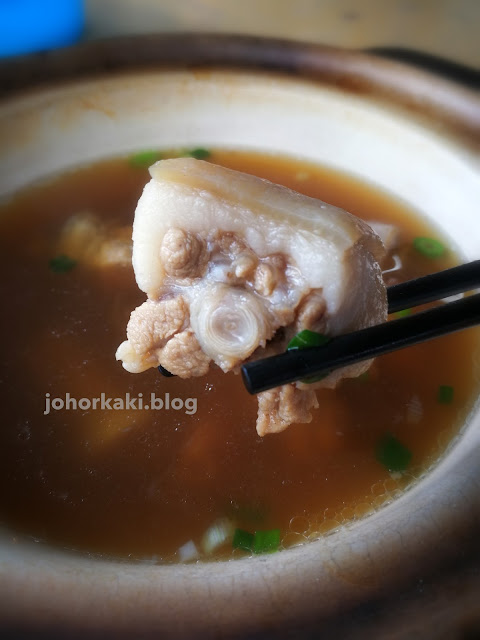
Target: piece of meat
{"x":278,"y":408}
{"x":311,"y":313}
{"x":265,"y":279}
{"x":153,"y":323}
{"x":86,"y":238}
{"x":183,"y":254}
{"x":183,"y":356}
{"x":253,"y":263}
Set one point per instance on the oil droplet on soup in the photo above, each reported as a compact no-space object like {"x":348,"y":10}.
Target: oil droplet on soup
{"x":184,"y":478}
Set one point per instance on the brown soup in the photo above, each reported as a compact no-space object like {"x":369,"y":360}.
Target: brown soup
{"x":141,"y":483}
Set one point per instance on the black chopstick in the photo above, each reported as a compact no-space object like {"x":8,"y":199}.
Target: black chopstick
{"x":347,"y":349}
{"x":434,"y":287}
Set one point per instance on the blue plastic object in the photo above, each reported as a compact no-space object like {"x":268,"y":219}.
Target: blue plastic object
{"x":27,"y":26}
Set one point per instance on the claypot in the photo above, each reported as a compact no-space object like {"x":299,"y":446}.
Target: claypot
{"x":414,"y":135}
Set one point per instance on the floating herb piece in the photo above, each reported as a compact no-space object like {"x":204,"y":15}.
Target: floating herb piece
{"x":307,"y":338}
{"x":199,"y":153}
{"x":429,"y":247}
{"x":403,"y":313}
{"x":445,"y":394}
{"x":266,"y":541}
{"x":394,"y":455}
{"x":62,"y":264}
{"x":258,"y":542}
{"x":243,"y":540}
{"x":144,"y":159}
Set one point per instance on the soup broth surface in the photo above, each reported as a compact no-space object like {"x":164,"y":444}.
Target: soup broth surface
{"x":142,"y":483}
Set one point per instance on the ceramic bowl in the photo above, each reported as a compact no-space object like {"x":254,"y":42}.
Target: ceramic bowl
{"x":414,"y":135}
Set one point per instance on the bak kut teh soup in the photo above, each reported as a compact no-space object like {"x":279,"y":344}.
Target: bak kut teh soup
{"x":84,"y":464}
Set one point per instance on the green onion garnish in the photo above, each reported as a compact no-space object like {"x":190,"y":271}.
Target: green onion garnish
{"x":429,"y":247}
{"x":258,"y":542}
{"x":243,"y":540}
{"x":198,"y":153}
{"x":445,"y":394}
{"x":266,"y":541}
{"x":307,"y":338}
{"x":144,"y":159}
{"x":62,"y":264}
{"x":403,"y":313}
{"x":394,"y":455}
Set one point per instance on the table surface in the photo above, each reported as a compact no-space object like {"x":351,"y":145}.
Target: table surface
{"x":446,"y":28}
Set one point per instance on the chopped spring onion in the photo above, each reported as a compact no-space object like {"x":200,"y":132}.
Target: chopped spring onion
{"x":394,"y":455}
{"x":216,"y":535}
{"x":62,"y":264}
{"x":198,"y":153}
{"x":403,"y":313}
{"x":307,"y":338}
{"x":258,"y":542}
{"x":243,"y":540}
{"x":144,"y":159}
{"x":445,"y":394}
{"x":429,"y":247}
{"x":266,"y":541}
